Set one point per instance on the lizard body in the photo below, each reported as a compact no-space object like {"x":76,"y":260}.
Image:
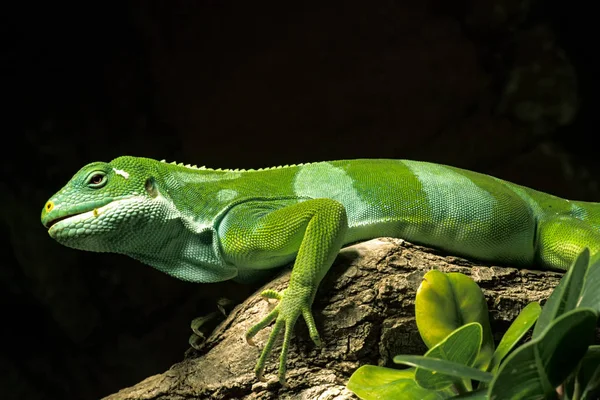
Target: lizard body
{"x":207,"y":225}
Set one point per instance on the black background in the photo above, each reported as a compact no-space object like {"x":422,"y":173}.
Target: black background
{"x":245,"y":85}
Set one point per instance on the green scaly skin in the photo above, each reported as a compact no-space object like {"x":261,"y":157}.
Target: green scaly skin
{"x":206,"y":225}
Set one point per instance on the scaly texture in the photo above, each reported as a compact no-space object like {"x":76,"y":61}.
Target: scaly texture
{"x":206,"y":225}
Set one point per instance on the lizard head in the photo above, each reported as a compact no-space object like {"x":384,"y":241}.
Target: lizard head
{"x":102,"y":205}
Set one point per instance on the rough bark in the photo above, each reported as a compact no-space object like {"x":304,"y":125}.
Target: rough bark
{"x":365,"y":313}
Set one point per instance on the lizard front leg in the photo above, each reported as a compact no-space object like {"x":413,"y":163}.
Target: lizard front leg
{"x":266,"y":234}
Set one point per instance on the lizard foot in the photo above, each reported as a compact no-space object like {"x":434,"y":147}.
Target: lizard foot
{"x":203,"y":325}
{"x":285,"y":315}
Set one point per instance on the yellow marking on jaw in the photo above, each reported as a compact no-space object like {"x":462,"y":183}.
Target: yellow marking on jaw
{"x":96,"y":212}
{"x":49,"y":206}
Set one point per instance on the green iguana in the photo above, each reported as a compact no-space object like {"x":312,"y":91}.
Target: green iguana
{"x":209,"y":225}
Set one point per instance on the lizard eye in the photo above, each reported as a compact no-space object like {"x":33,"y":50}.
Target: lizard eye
{"x":97,"y":180}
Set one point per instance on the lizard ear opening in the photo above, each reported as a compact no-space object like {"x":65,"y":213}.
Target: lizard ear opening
{"x":150,"y":187}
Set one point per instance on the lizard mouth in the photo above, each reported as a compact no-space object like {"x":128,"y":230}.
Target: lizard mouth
{"x":84,"y":208}
{"x":51,"y":223}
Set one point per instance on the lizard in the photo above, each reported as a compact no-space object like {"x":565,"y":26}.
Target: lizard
{"x":207,"y":225}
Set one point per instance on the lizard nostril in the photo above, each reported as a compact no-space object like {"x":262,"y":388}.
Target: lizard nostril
{"x":49,"y":206}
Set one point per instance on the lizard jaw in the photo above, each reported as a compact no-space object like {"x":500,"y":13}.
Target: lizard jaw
{"x":51,"y":223}
{"x":74,"y":211}
{"x":68,"y":226}
{"x":55,"y":224}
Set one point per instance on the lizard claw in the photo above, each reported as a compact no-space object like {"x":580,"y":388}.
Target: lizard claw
{"x":260,"y":376}
{"x":285,"y":315}
{"x":282,"y":382}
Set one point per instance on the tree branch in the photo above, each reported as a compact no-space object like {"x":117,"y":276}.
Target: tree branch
{"x":364,"y":310}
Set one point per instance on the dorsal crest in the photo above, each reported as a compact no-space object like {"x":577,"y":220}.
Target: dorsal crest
{"x":204,"y":168}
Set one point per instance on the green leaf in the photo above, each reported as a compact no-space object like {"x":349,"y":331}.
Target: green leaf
{"x":444,"y":367}
{"x":591,"y":380}
{"x":535,"y":369}
{"x":378,"y":383}
{"x":590,"y":294}
{"x":461,"y":346}
{"x":446,"y":301}
{"x":515,"y":332}
{"x":480,"y":394}
{"x":566,"y":294}
{"x":587,"y":380}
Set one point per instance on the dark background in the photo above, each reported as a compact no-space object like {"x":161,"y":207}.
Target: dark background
{"x":502,"y":87}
